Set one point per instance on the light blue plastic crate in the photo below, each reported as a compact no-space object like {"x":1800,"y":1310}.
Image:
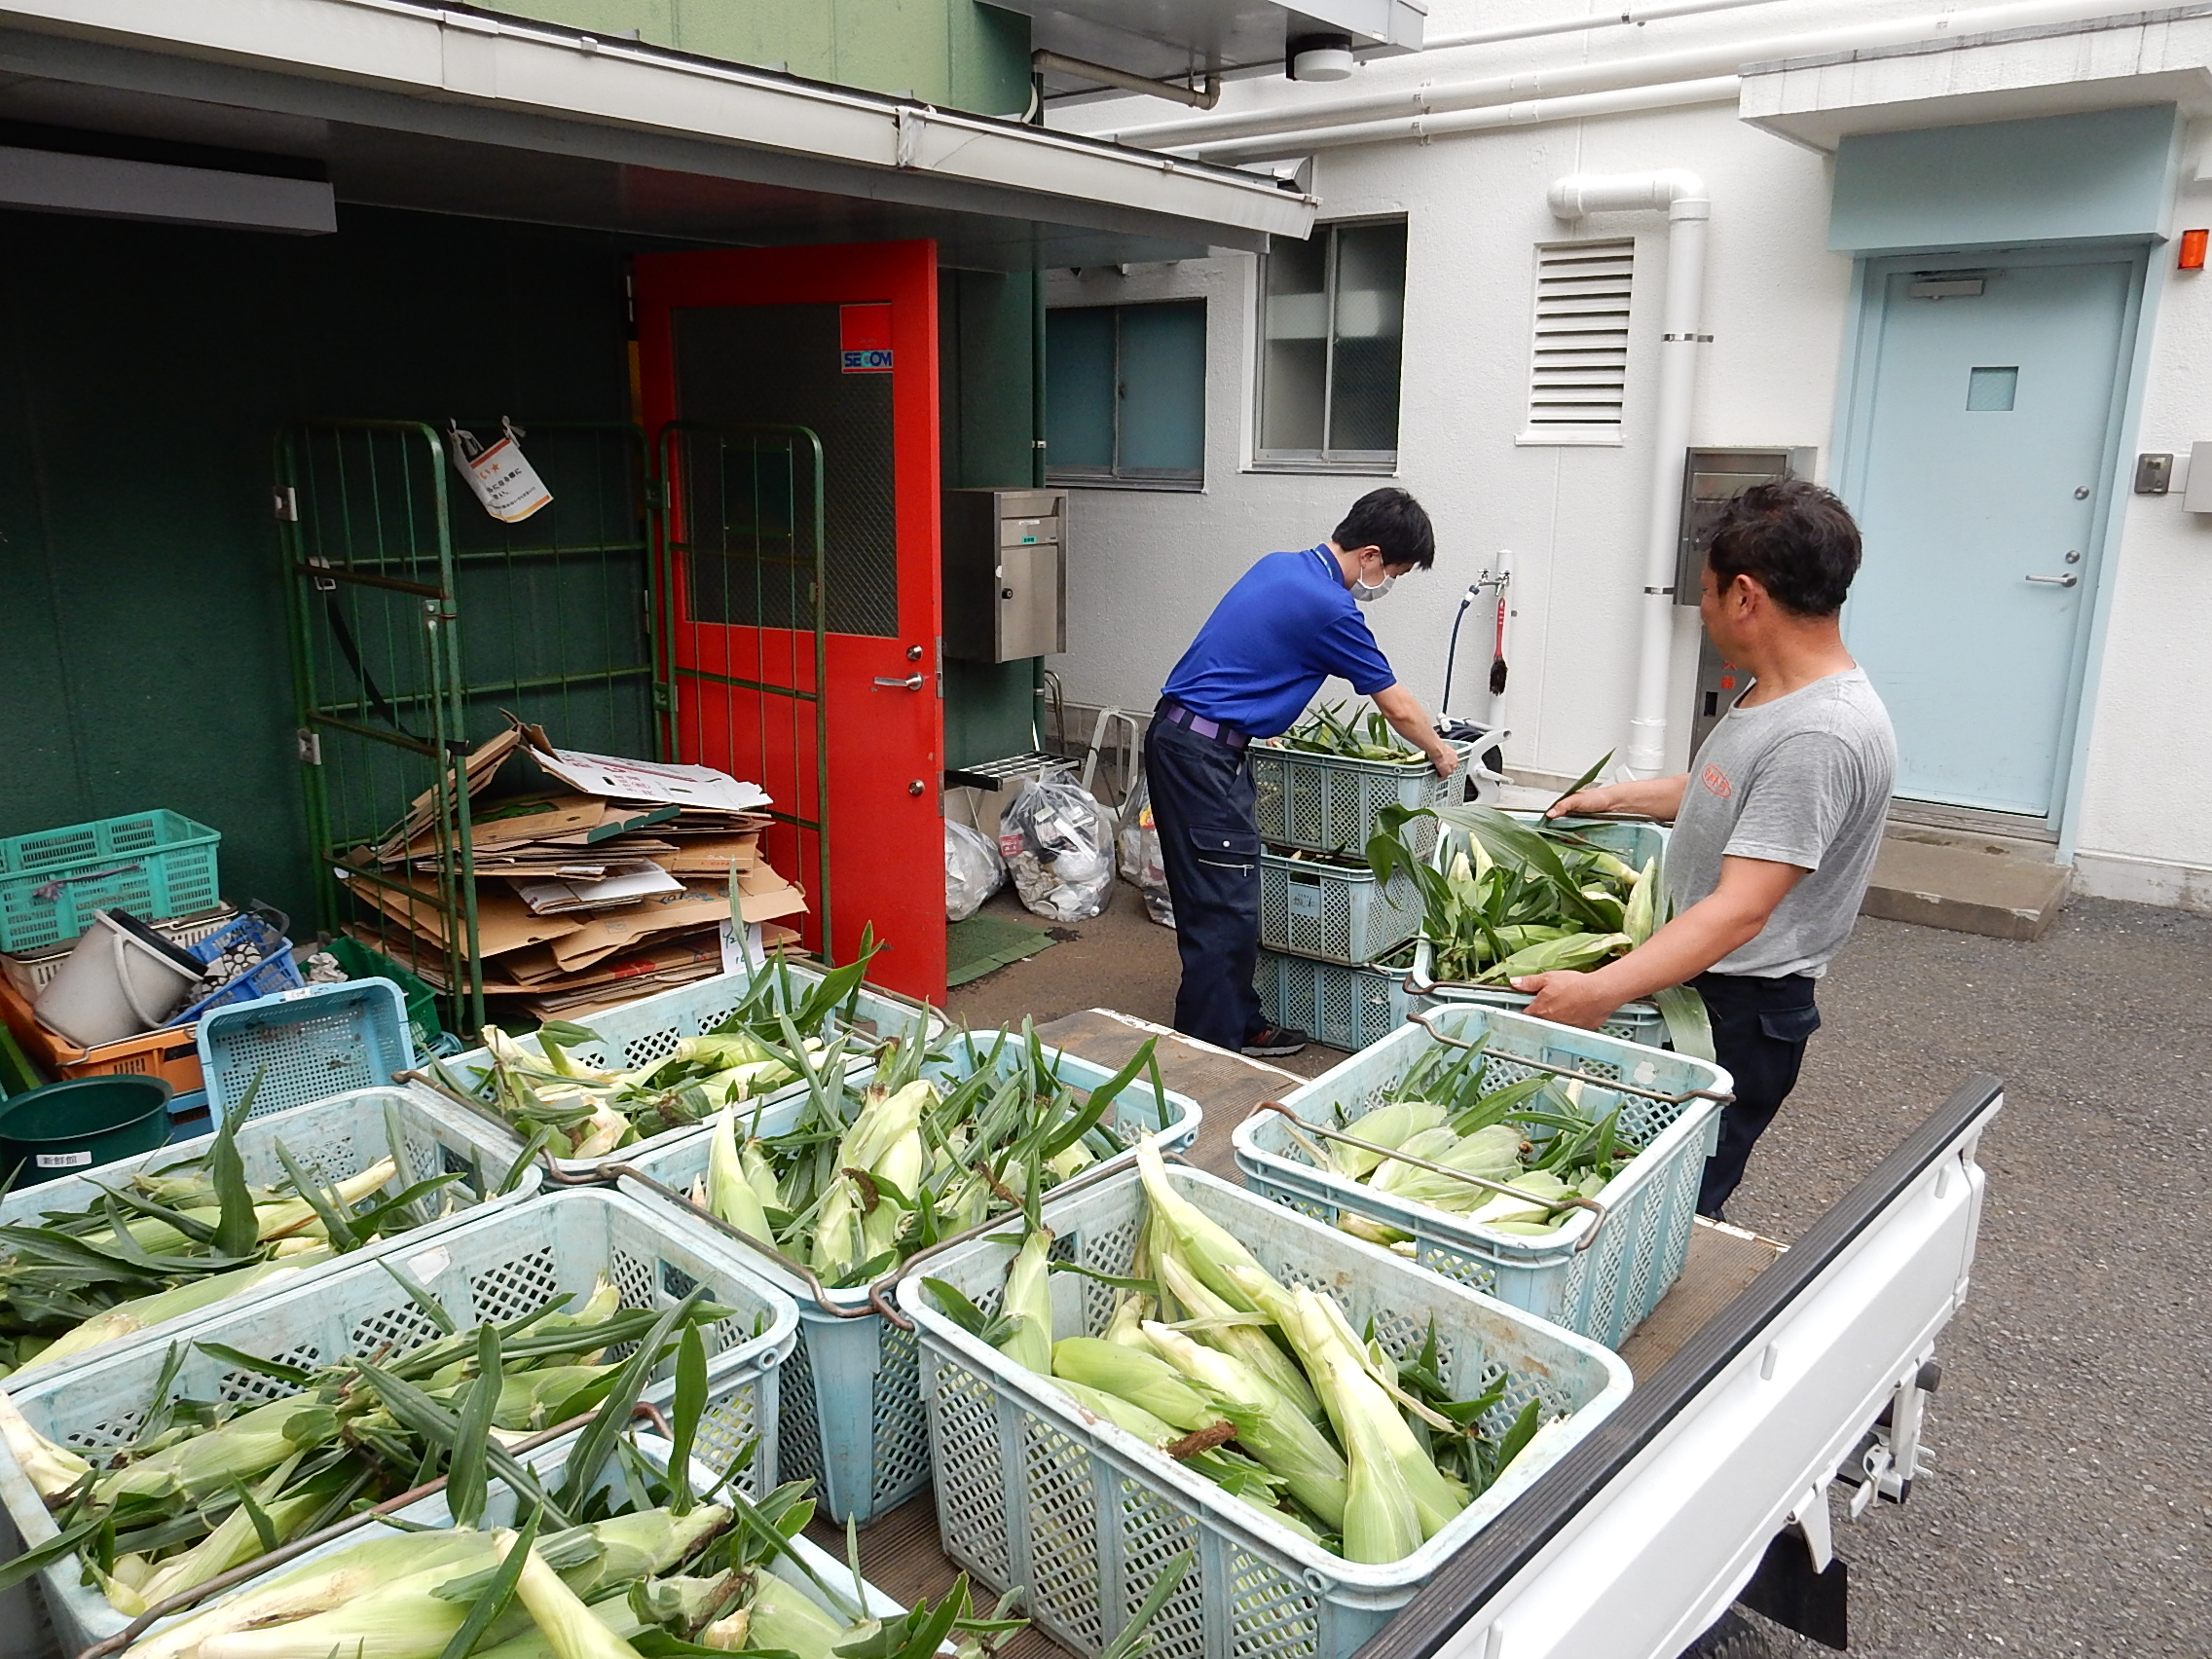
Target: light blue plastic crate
{"x":332,"y":1139}
{"x":1346,"y":1008}
{"x":304,"y":1046}
{"x":155,"y":865}
{"x":1636,"y":845}
{"x":853,"y":1418}
{"x":1599,"y":1286}
{"x":640,"y":1032}
{"x":1328,"y":803}
{"x":1033,"y":1489}
{"x":1336,"y":913}
{"x":497,"y":1264}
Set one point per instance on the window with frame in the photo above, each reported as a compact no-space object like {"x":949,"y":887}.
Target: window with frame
{"x":1332,"y":338}
{"x":1126,"y":395}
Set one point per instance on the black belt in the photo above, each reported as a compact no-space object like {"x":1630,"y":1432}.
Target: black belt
{"x":1174,"y":713}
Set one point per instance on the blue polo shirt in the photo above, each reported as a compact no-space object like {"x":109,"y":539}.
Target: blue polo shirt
{"x":1288,"y":624}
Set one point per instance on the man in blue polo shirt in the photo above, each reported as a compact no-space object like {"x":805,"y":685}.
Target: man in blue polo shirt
{"x":1290,"y":622}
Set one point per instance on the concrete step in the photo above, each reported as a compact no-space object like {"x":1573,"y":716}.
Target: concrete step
{"x":1968,"y":883}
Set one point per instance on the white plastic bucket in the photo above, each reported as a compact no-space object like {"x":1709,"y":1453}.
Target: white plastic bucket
{"x":118,"y":982}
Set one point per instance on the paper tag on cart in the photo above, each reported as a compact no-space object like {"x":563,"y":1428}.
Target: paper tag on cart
{"x":500,"y":477}
{"x":742,"y":948}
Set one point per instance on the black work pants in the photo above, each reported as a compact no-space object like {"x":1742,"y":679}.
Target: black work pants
{"x":1759,"y":1031}
{"x":1210,"y":846}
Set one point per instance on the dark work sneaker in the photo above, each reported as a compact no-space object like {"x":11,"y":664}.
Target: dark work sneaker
{"x":1274,"y":1040}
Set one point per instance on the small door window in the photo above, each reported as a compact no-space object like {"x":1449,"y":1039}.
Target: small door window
{"x":1991,"y":391}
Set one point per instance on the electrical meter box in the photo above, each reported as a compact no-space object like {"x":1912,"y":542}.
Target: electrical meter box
{"x":1710,"y":478}
{"x":1004,"y":574}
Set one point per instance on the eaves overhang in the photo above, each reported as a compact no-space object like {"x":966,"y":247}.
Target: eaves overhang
{"x":2125,"y":60}
{"x":484,"y":80}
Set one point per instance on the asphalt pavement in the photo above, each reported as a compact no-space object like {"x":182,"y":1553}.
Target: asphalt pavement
{"x":2069,"y":1509}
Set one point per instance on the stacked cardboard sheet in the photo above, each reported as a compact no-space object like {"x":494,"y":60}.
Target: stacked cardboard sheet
{"x":596,"y":879}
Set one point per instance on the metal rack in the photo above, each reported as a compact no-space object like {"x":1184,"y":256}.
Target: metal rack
{"x":417,"y":627}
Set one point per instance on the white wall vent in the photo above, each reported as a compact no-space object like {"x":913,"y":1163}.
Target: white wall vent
{"x":1578,"y":359}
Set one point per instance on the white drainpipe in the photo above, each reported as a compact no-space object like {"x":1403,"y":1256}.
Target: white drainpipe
{"x":1688,"y":212}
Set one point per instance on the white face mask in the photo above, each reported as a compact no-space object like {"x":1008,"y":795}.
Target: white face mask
{"x":1366,"y":593}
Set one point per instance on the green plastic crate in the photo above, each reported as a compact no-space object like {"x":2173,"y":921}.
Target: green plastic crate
{"x":155,"y":865}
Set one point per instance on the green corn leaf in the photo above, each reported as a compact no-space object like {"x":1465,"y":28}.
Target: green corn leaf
{"x":296,"y":1376}
{"x":1524,"y":1430}
{"x":466,"y":1486}
{"x":1133,"y":1642}
{"x":1689,"y":1025}
{"x":684,"y":1414}
{"x":1587,"y":779}
{"x":988,"y":1329}
{"x":1101,"y":1099}
{"x":238,"y":1230}
{"x":432,"y":1309}
{"x":596,"y":1443}
{"x":493,"y":1601}
{"x":540,"y":1138}
{"x":62,"y":1545}
{"x":321,"y":1200}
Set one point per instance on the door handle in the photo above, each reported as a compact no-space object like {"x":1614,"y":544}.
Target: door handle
{"x":2069,"y":579}
{"x":912,"y":683}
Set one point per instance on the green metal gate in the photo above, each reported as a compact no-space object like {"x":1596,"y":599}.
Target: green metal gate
{"x":419,"y":622}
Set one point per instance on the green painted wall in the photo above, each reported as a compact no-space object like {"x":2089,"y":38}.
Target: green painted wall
{"x":143,"y":371}
{"x":985,"y":348}
{"x":956,"y":52}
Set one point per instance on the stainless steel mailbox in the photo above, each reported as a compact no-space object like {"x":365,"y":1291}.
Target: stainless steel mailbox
{"x":1004,"y":574}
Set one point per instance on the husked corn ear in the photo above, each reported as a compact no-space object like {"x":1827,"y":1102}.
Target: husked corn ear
{"x":560,"y":1614}
{"x":1138,"y":1375}
{"x":51,"y":1469}
{"x":1029,"y":1305}
{"x":787,"y":1618}
{"x":729,"y":1194}
{"x":333,"y":1582}
{"x":1268,"y":1426}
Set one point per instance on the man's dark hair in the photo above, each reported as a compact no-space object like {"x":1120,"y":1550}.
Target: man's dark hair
{"x":1793,"y":538}
{"x":1393,"y":521}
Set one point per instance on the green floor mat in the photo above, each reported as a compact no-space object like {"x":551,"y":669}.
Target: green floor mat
{"x":984,"y":944}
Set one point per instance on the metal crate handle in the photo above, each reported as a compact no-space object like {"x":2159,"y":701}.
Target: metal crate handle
{"x":1617,"y":1084}
{"x":1299,"y":1128}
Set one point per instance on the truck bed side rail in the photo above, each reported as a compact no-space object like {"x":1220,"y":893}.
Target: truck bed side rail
{"x":1646,"y":1532}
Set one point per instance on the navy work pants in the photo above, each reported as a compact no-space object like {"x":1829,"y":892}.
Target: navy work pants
{"x":1759,"y":1031}
{"x":1210,"y":846}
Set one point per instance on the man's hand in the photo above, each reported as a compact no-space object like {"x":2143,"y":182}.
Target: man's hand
{"x":1444,"y":758}
{"x":1597,"y":800}
{"x":1567,"y":998}
{"x":1646,"y":797}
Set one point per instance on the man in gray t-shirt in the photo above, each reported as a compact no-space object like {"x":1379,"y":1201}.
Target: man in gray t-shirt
{"x":1777,"y":822}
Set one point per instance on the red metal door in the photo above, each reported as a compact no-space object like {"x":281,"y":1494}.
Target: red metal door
{"x":842,"y":342}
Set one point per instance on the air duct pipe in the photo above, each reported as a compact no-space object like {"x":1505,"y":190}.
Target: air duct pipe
{"x":1689,"y":209}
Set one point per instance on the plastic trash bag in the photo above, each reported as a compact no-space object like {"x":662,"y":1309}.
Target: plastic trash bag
{"x":972,"y":871}
{"x":1057,"y":842}
{"x":1137,"y":854}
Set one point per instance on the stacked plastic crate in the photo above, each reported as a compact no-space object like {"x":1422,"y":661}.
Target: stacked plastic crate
{"x":1335,"y":941}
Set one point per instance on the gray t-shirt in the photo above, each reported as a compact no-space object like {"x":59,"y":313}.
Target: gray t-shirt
{"x":1803,"y":780}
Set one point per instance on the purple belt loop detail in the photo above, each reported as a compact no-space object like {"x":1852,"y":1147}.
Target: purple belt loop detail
{"x":1174,"y":713}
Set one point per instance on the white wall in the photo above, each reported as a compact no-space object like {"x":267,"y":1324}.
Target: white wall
{"x":2145,"y":829}
{"x":1147,"y":566}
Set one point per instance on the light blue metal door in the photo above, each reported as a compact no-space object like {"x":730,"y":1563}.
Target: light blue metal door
{"x":1980,"y":458}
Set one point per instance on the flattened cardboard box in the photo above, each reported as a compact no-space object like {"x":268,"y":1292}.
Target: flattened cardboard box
{"x":762,"y":896}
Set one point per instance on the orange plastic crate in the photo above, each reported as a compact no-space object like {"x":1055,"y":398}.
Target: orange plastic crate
{"x":171,"y":1054}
